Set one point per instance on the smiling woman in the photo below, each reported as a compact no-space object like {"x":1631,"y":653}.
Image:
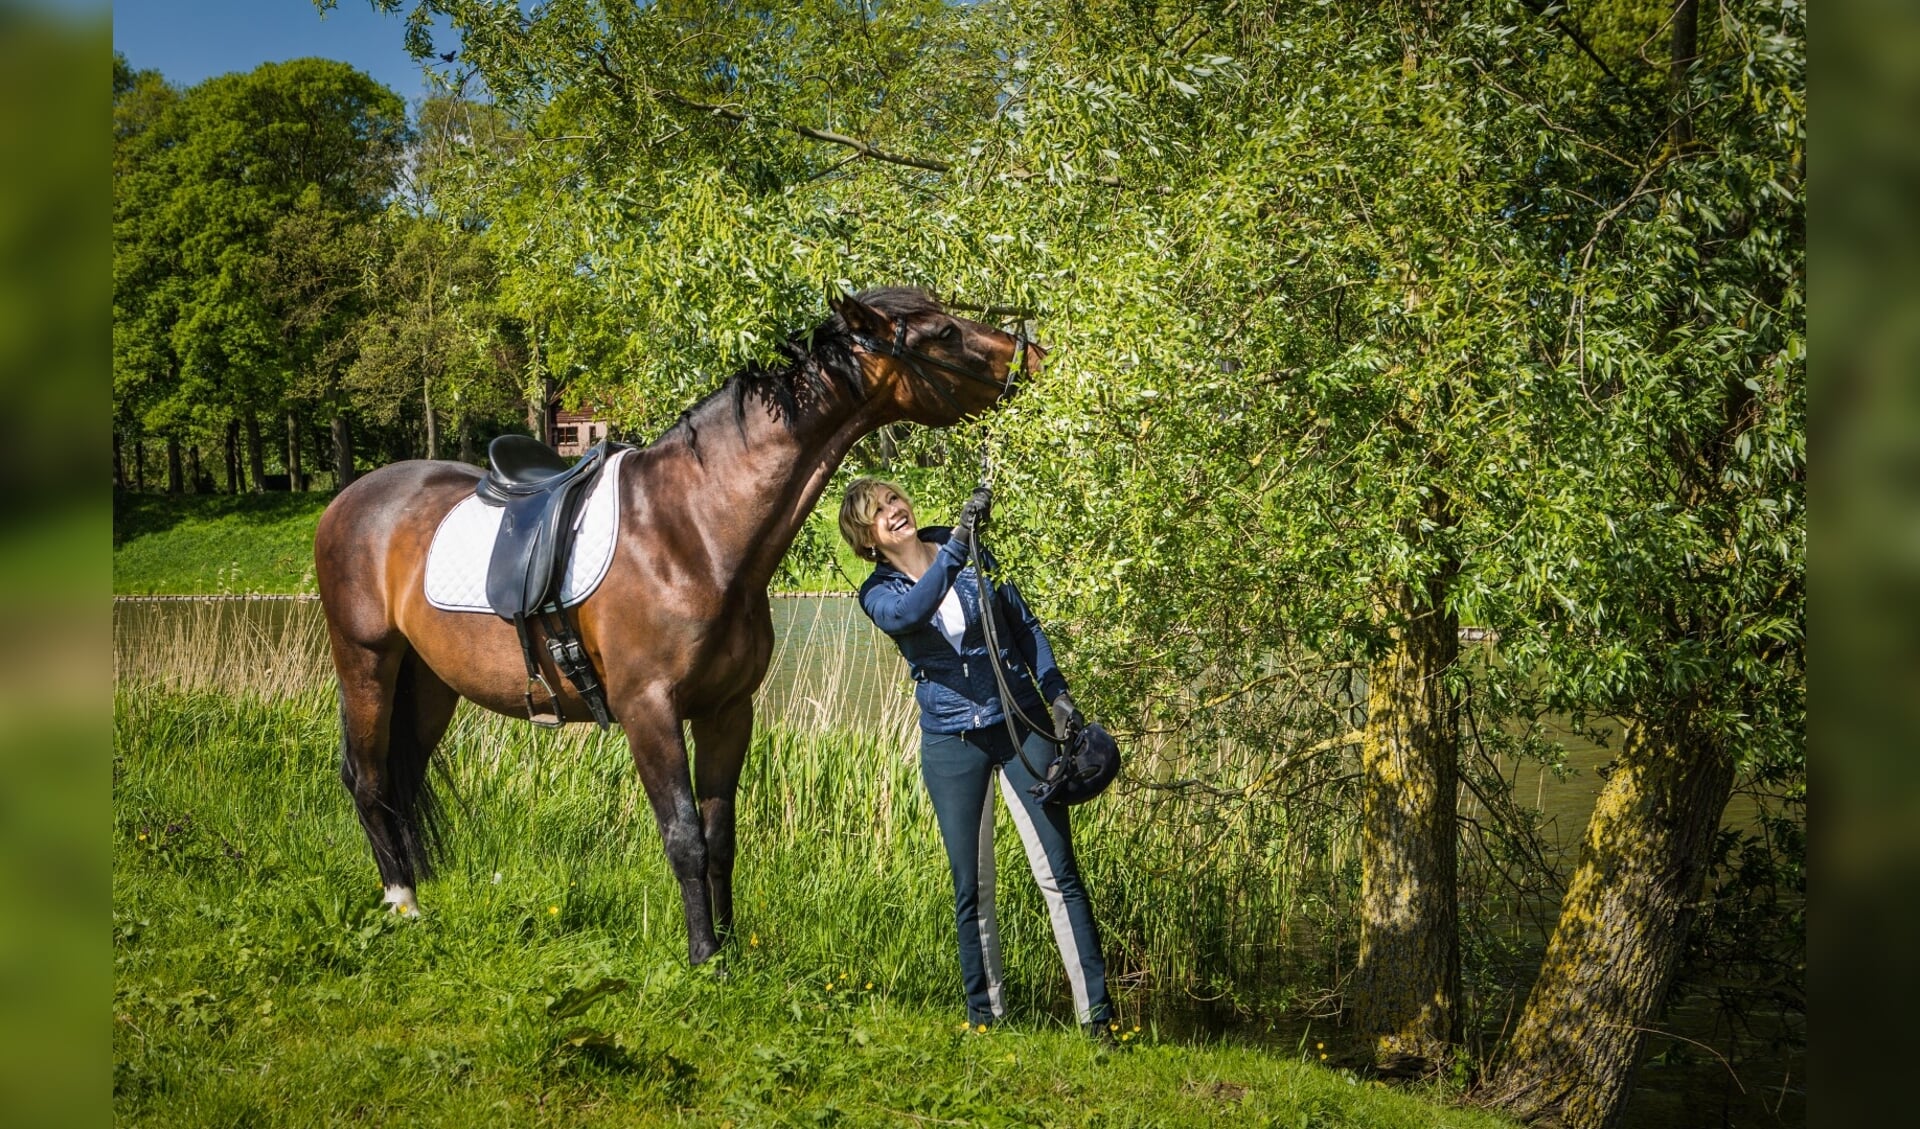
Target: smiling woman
{"x":924,"y":594}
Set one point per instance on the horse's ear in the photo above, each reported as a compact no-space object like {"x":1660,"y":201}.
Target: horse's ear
{"x":860,"y":317}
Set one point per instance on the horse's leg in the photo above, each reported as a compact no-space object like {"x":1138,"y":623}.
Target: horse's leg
{"x":423,"y":707}
{"x":392,"y":712}
{"x":719,"y":752}
{"x":660,"y":757}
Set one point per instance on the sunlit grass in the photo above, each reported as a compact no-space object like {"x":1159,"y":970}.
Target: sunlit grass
{"x":215,"y":543}
{"x":257,"y":980}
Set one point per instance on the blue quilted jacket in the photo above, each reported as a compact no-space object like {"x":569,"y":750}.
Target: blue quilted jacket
{"x":955,"y":690}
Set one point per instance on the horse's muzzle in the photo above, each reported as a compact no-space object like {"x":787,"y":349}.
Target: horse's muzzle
{"x":1028,"y":356}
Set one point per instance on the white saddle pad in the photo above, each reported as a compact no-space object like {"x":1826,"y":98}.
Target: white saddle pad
{"x":463,"y":546}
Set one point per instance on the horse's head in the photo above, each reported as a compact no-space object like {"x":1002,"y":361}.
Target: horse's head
{"x":934,"y":367}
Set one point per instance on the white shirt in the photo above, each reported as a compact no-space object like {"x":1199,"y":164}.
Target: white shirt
{"x":951,"y":619}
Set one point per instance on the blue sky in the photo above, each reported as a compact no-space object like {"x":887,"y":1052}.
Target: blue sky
{"x":191,"y":40}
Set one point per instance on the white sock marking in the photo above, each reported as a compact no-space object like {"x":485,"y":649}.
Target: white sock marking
{"x":401,"y":899}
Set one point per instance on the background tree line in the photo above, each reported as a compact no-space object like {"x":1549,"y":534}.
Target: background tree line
{"x":287,"y":294}
{"x":1374,"y":322}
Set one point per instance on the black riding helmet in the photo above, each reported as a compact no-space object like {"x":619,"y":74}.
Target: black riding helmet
{"x":1083,"y":768}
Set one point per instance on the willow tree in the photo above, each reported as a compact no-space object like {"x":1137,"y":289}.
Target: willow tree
{"x":1671,"y":593}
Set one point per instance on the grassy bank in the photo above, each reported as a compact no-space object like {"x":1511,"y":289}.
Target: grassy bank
{"x":214,"y":543}
{"x":256,"y":980}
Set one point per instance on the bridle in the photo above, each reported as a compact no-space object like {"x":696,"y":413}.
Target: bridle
{"x":914,"y":359}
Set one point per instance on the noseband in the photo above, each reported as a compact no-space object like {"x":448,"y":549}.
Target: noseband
{"x":914,"y":359}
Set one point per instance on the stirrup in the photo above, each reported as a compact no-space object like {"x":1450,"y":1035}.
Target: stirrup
{"x":551,"y":720}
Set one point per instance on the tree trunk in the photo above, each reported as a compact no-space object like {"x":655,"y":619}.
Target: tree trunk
{"x":140,"y":465}
{"x":295,"y":471}
{"x":539,"y":391}
{"x":119,"y":465}
{"x":1407,"y":982}
{"x":343,"y":474}
{"x":1623,"y":927}
{"x":233,"y":456}
{"x":466,"y":438}
{"x":538,"y":397}
{"x":256,"y":452}
{"x":1680,"y":58}
{"x":174,"y":485}
{"x":433,"y":427}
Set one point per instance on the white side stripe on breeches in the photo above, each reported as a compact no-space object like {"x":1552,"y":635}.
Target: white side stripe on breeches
{"x":989,"y":925}
{"x":1050,"y":887}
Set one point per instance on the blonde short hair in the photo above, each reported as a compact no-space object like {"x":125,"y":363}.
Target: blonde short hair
{"x":857,"y":511}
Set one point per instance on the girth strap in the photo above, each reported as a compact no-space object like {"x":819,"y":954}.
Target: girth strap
{"x":569,"y":657}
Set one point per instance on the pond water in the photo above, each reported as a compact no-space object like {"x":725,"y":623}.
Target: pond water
{"x":831,"y":668}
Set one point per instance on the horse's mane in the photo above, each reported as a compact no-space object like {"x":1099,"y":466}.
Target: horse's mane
{"x":815,"y":359}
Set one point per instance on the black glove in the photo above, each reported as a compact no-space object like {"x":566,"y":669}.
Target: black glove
{"x":1067,"y":718}
{"x":971,"y":514}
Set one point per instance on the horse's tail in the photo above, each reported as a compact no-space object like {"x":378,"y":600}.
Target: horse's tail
{"x":409,"y":807}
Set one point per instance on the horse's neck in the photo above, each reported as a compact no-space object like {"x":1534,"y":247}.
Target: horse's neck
{"x":755,"y":484}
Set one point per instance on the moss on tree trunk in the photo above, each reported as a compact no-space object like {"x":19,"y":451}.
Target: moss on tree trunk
{"x":1622,"y":928}
{"x":1407,"y":984}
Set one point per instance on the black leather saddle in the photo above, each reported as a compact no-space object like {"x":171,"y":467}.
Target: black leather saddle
{"x":542,"y":494}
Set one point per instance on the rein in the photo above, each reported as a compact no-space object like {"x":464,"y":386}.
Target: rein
{"x":1009,"y":708}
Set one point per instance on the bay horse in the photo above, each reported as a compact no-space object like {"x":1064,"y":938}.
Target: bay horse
{"x":680,"y":629}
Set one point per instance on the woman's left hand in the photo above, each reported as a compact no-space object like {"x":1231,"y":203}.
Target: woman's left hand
{"x":971,"y":514}
{"x":1067,"y":719}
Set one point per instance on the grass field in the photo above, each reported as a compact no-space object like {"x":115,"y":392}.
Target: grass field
{"x":205,"y":544}
{"x":258,"y":982}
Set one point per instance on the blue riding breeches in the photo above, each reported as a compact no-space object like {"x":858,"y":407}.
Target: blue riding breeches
{"x":959,"y":770}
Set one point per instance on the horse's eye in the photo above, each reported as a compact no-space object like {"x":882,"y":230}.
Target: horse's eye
{"x":948,"y":333}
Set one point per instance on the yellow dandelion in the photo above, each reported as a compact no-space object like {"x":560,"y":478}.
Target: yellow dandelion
{"x":982,"y":1029}
{"x":1136,"y":1029}
{"x":869,"y":986}
{"x":553,"y":911}
{"x":1113,"y":1027}
{"x":143,"y":835}
{"x":964,"y":1025}
{"x":1319,"y":1046}
{"x":1323,"y":1057}
{"x":829,"y":985}
{"x":753,"y":940}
